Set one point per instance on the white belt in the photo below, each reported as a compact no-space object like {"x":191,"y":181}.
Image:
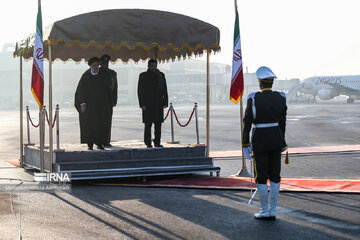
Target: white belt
{"x":266,"y":125}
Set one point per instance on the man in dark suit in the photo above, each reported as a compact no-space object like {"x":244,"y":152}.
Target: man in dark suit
{"x":153,"y":98}
{"x":104,"y":62}
{"x":266,"y":111}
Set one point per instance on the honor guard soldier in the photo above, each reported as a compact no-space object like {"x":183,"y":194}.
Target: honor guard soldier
{"x":266,"y":112}
{"x":104,"y":62}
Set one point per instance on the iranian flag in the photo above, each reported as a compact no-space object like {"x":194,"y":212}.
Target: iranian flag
{"x":37,"y":78}
{"x":237,"y":78}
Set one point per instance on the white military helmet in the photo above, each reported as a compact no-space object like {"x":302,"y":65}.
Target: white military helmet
{"x":265,"y":73}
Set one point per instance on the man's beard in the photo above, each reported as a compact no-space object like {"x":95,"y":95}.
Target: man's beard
{"x":94,"y":71}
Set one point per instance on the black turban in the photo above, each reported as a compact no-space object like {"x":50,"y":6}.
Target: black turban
{"x":92,"y":60}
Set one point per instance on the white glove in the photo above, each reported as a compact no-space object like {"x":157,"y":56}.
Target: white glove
{"x":247,"y":151}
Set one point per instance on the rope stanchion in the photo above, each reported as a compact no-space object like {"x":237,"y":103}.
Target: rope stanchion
{"x":57,"y":117}
{"x":28,"y":128}
{"x":171,"y":109}
{"x":54,"y":120}
{"x":47,"y":118}
{"x":28,"y":114}
{"x":167,"y":114}
{"x":196,"y":124}
{"x":172,"y":113}
{"x":181,"y":125}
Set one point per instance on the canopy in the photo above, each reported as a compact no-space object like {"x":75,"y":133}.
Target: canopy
{"x":125,"y":34}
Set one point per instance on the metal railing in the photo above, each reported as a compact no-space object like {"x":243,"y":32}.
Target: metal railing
{"x":42,"y":115}
{"x":173,"y":114}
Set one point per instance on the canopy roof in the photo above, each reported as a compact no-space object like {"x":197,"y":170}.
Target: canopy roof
{"x":125,"y":34}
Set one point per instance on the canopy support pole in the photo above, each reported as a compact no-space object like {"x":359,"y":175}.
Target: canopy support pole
{"x":207,"y":103}
{"x":51,"y":148}
{"x":21,"y":117}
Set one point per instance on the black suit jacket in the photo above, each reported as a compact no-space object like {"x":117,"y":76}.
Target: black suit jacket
{"x":152,"y":93}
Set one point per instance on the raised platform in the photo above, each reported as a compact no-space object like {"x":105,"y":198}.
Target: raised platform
{"x":124,"y":159}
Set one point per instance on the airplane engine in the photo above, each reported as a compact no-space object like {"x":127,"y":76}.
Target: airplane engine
{"x":327,"y":94}
{"x":307,"y":85}
{"x":308,"y":88}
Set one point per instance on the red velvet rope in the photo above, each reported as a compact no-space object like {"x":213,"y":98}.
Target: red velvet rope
{"x":167,"y":114}
{"x":47,"y":118}
{"x":28,"y":114}
{"x":187,"y":121}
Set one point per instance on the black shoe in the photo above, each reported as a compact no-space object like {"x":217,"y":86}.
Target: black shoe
{"x":149,"y":146}
{"x":100,"y":147}
{"x":159,"y":146}
{"x":108,"y":145}
{"x":271,"y":218}
{"x":90,"y":146}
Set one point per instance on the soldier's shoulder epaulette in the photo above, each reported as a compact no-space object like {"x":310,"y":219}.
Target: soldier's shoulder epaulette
{"x":251,"y":95}
{"x":281,"y":94}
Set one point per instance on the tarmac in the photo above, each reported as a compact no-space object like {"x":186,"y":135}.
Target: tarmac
{"x":93,"y":211}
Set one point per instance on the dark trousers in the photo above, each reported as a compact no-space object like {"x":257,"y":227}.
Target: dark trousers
{"x":109,"y":137}
{"x":147,"y":133}
{"x":267,"y":165}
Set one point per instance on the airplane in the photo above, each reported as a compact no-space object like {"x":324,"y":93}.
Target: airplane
{"x":328,"y":87}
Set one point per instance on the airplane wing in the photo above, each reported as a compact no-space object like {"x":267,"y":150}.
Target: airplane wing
{"x":343,"y":89}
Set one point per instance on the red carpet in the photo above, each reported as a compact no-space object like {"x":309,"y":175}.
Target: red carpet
{"x":237,"y":183}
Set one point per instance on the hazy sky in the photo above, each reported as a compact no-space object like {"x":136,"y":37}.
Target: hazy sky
{"x":296,"y":38}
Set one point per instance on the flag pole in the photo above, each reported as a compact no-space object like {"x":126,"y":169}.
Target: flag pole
{"x":41,"y":131}
{"x":243,"y":172}
{"x":40,"y":101}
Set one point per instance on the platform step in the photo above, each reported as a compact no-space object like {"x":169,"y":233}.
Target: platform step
{"x":125,"y":162}
{"x":118,"y":154}
{"x":143,"y":172}
{"x":133,"y":163}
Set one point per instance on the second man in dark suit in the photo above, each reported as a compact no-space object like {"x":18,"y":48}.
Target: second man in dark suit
{"x":153,"y":98}
{"x":104,"y":61}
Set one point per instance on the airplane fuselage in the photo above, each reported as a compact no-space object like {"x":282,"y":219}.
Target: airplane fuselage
{"x":328,"y":87}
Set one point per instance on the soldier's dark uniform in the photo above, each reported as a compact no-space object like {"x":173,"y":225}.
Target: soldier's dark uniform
{"x":266,"y":112}
{"x":267,"y":142}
